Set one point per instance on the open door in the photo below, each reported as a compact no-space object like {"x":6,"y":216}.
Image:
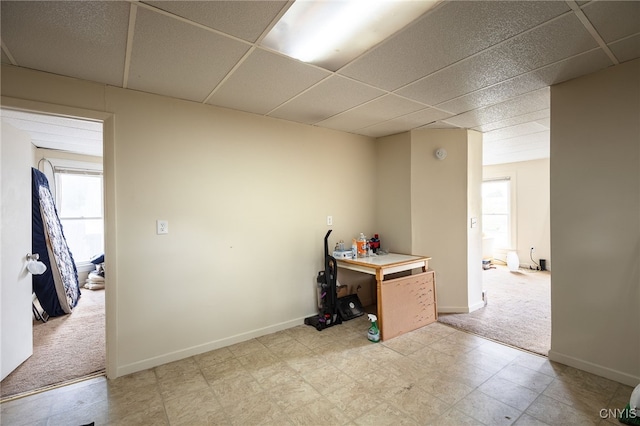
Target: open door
{"x":16,"y":334}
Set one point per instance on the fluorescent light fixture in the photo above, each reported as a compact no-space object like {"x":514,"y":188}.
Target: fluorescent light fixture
{"x":331,"y":33}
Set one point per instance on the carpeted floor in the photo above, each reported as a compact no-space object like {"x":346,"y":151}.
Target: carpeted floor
{"x":64,"y":348}
{"x":518,"y":312}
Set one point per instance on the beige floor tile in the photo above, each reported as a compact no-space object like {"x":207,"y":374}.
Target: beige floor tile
{"x":131,"y":381}
{"x":193,"y":383}
{"x":445,"y":388}
{"x":211,"y":358}
{"x":274,"y":375}
{"x":526,"y":377}
{"x":540,"y":364}
{"x":257,"y":360}
{"x":405,"y":344}
{"x":318,"y":412}
{"x":385,"y":414}
{"x":224,"y":370}
{"x":468,"y":374}
{"x":591,"y":381}
{"x":230,"y":390}
{"x":306,"y":363}
{"x":487,"y":410}
{"x":191,"y":409}
{"x":554,"y":412}
{"x":354,"y":400}
{"x":257,"y":408}
{"x":274,"y":338}
{"x":380,"y":354}
{"x":245,"y":348}
{"x":145,"y":416}
{"x":429,"y":357}
{"x":289,"y":349}
{"x":491,"y":363}
{"x":492,"y":348}
{"x":527,"y":420}
{"x":454,"y":417}
{"x":508,"y":392}
{"x":579,"y":397}
{"x":294,"y":395}
{"x":434,"y":375}
{"x":328,"y":379}
{"x":421,"y":406}
{"x":184,"y":368}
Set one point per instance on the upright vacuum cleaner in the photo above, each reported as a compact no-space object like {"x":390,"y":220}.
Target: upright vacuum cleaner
{"x":327,"y":293}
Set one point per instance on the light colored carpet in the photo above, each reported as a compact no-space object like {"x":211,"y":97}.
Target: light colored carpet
{"x":64,"y":348}
{"x":518,"y":312}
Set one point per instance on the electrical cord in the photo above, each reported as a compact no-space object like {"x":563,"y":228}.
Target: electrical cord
{"x":531,"y":256}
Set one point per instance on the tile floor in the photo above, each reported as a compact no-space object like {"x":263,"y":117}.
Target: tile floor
{"x":435,"y":375}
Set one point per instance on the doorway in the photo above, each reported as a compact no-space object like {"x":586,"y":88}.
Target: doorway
{"x":70,"y":347}
{"x":516,"y":221}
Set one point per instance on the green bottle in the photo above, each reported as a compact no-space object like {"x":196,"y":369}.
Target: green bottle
{"x":374,"y":332}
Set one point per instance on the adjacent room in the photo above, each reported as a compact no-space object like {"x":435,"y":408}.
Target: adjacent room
{"x":68,"y":154}
{"x":228,"y":154}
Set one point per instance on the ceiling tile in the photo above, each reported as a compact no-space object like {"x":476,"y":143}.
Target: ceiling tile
{"x":439,"y":125}
{"x":264,"y":81}
{"x":332,"y":96}
{"x":85,"y":40}
{"x":626,"y":49}
{"x":561,"y":38}
{"x":445,"y":35}
{"x":575,"y":66}
{"x":614,"y":19}
{"x":56,"y":132}
{"x":380,"y":109}
{"x":530,"y":147}
{"x":243,"y":19}
{"x":173,"y":58}
{"x":514,"y":131}
{"x":529,"y":102}
{"x":513,"y":121}
{"x":404,"y":123}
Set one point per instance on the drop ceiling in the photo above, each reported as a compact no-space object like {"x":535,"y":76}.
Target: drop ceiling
{"x":481,"y":65}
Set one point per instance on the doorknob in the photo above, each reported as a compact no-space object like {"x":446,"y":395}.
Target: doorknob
{"x":34,"y":265}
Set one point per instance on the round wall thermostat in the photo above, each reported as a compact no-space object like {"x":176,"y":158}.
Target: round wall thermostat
{"x":441,"y":154}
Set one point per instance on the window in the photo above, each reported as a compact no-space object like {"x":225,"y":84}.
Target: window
{"x":79,"y":204}
{"x":496,"y":212}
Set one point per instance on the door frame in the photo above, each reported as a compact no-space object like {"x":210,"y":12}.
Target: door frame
{"x":110,"y":238}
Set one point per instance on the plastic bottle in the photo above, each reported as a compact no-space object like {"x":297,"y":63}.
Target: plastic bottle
{"x":374,"y":332}
{"x":362,"y":245}
{"x":354,"y":249}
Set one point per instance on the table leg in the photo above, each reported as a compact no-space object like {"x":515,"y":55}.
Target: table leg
{"x":379,"y":278}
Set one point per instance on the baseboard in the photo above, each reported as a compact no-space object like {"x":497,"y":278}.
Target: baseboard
{"x":453,"y":309}
{"x":144,"y":364}
{"x":596,"y":369}
{"x":476,"y":306}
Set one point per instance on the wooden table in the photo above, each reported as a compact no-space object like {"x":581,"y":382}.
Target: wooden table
{"x":404,"y":303}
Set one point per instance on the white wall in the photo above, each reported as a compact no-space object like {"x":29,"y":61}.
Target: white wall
{"x":393,"y":198}
{"x":246,"y":198}
{"x":530,"y":186}
{"x":474,"y":210}
{"x":595,"y":222}
{"x":429,"y":202}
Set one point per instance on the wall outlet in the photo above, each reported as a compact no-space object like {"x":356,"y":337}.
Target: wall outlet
{"x":162,"y":227}
{"x":329,"y":220}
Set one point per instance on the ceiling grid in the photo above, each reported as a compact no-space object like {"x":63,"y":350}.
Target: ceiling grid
{"x":482,"y":65}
